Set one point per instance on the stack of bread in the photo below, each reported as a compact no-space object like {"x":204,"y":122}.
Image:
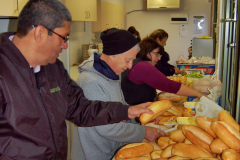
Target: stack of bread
{"x":181,"y":79}
{"x":210,"y":139}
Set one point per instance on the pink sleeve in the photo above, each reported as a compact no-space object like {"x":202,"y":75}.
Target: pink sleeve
{"x":144,"y":72}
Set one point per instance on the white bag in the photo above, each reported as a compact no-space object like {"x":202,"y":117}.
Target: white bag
{"x":207,"y":108}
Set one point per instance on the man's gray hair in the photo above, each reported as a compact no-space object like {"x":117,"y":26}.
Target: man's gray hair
{"x":137,"y":47}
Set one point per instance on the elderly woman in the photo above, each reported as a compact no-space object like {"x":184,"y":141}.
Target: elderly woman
{"x":139,"y":84}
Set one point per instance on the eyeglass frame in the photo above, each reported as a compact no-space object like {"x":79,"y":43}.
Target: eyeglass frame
{"x":64,"y":38}
{"x":157,"y":54}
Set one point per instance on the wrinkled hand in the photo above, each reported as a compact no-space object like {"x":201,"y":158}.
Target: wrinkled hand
{"x":137,"y":110}
{"x":153,"y":133}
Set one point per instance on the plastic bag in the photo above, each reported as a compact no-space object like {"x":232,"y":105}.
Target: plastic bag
{"x":207,"y":108}
{"x":182,"y":59}
{"x":204,"y":84}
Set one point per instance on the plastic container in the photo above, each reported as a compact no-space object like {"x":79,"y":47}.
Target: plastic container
{"x":190,"y":107}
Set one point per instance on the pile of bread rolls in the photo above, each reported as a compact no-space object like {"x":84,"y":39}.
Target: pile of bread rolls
{"x":181,"y":79}
{"x":210,"y":139}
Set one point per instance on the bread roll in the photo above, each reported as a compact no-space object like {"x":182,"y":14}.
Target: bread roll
{"x":219,"y":157}
{"x":171,"y":142}
{"x":197,"y":136}
{"x":161,"y":159}
{"x":226,"y":117}
{"x":167,"y":152}
{"x":217,"y":146}
{"x":205,"y":124}
{"x":158,"y":107}
{"x":144,"y":157}
{"x":168,"y":119}
{"x":206,"y":159}
{"x":175,"y":110}
{"x":172,"y":99}
{"x":191,"y":151}
{"x":156,"y":147}
{"x":186,"y":141}
{"x":163,"y":142}
{"x":215,"y":119}
{"x":227,"y":134}
{"x":168,"y":114}
{"x":156,"y":154}
{"x":177,"y":136}
{"x":179,"y":158}
{"x":230,"y":154}
{"x":134,"y":150}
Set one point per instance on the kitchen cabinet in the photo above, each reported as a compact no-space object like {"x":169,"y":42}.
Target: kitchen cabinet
{"x":11,"y":8}
{"x":109,"y":15}
{"x":82,"y":10}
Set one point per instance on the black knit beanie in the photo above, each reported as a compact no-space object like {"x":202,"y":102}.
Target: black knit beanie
{"x":116,"y":41}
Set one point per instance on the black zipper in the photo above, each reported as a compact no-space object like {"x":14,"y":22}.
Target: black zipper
{"x":39,"y":91}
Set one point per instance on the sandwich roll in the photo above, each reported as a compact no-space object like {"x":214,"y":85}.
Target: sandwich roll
{"x":167,"y":152}
{"x":156,"y":154}
{"x":177,"y":136}
{"x":226,"y":117}
{"x":168,"y":114}
{"x":179,"y":158}
{"x":206,"y":159}
{"x":145,"y":157}
{"x":158,"y":107}
{"x":175,"y":110}
{"x":169,"y":119}
{"x":191,"y":151}
{"x":186,"y":141}
{"x":197,"y":136}
{"x":205,"y":123}
{"x":163,"y":142}
{"x":134,"y":150}
{"x":230,"y":154}
{"x":217,"y":146}
{"x":227,"y":134}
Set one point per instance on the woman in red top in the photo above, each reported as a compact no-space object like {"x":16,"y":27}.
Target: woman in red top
{"x":139,"y":84}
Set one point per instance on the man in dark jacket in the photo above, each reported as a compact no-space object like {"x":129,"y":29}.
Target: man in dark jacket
{"x":36,"y":93}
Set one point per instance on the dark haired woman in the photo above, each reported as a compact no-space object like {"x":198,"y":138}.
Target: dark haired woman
{"x":135,"y":33}
{"x":167,"y":69}
{"x":139,"y":84}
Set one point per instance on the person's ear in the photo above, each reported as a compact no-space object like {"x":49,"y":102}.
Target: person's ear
{"x":40,"y":34}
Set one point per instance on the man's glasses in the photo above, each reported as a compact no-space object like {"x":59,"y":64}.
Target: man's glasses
{"x":157,"y":54}
{"x":64,"y":38}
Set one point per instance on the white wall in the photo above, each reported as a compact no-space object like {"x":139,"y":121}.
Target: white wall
{"x":147,"y":21}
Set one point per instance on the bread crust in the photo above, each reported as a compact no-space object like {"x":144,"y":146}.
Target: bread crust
{"x":175,"y":110}
{"x":197,"y":136}
{"x":178,"y":158}
{"x":163,"y":142}
{"x":173,"y":99}
{"x":205,"y":123}
{"x":230,"y":154}
{"x":226,"y":117}
{"x":169,"y":119}
{"x":156,"y":154}
{"x":177,"y":136}
{"x":217,"y":146}
{"x":158,"y":107}
{"x":191,"y":151}
{"x":167,"y":152}
{"x":134,"y":150}
{"x":222,"y":130}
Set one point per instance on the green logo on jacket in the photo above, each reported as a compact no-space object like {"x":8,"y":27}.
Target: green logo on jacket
{"x":55,"y":89}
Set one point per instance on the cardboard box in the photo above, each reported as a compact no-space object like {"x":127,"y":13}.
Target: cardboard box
{"x":208,"y":69}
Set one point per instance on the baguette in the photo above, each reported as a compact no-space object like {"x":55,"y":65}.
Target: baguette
{"x":169,"y":119}
{"x":226,"y":117}
{"x":186,"y":114}
{"x":177,"y":136}
{"x":191,"y":151}
{"x":205,"y":124}
{"x":158,"y":107}
{"x":167,"y":152}
{"x":163,"y":142}
{"x":156,"y":154}
{"x":217,"y":146}
{"x":230,"y":154}
{"x":134,"y":150}
{"x":197,"y":136}
{"x":145,"y":157}
{"x":227,"y":134}
{"x":175,"y":110}
{"x":168,"y":114}
{"x":173,"y":99}
{"x":206,"y":159}
{"x":179,"y":158}
{"x":186,"y":141}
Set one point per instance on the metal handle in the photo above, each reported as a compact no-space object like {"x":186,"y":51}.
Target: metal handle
{"x":86,"y":14}
{"x":89,"y":14}
{"x":230,"y":20}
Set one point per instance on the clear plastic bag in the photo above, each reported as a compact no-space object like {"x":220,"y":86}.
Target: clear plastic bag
{"x":204,"y":84}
